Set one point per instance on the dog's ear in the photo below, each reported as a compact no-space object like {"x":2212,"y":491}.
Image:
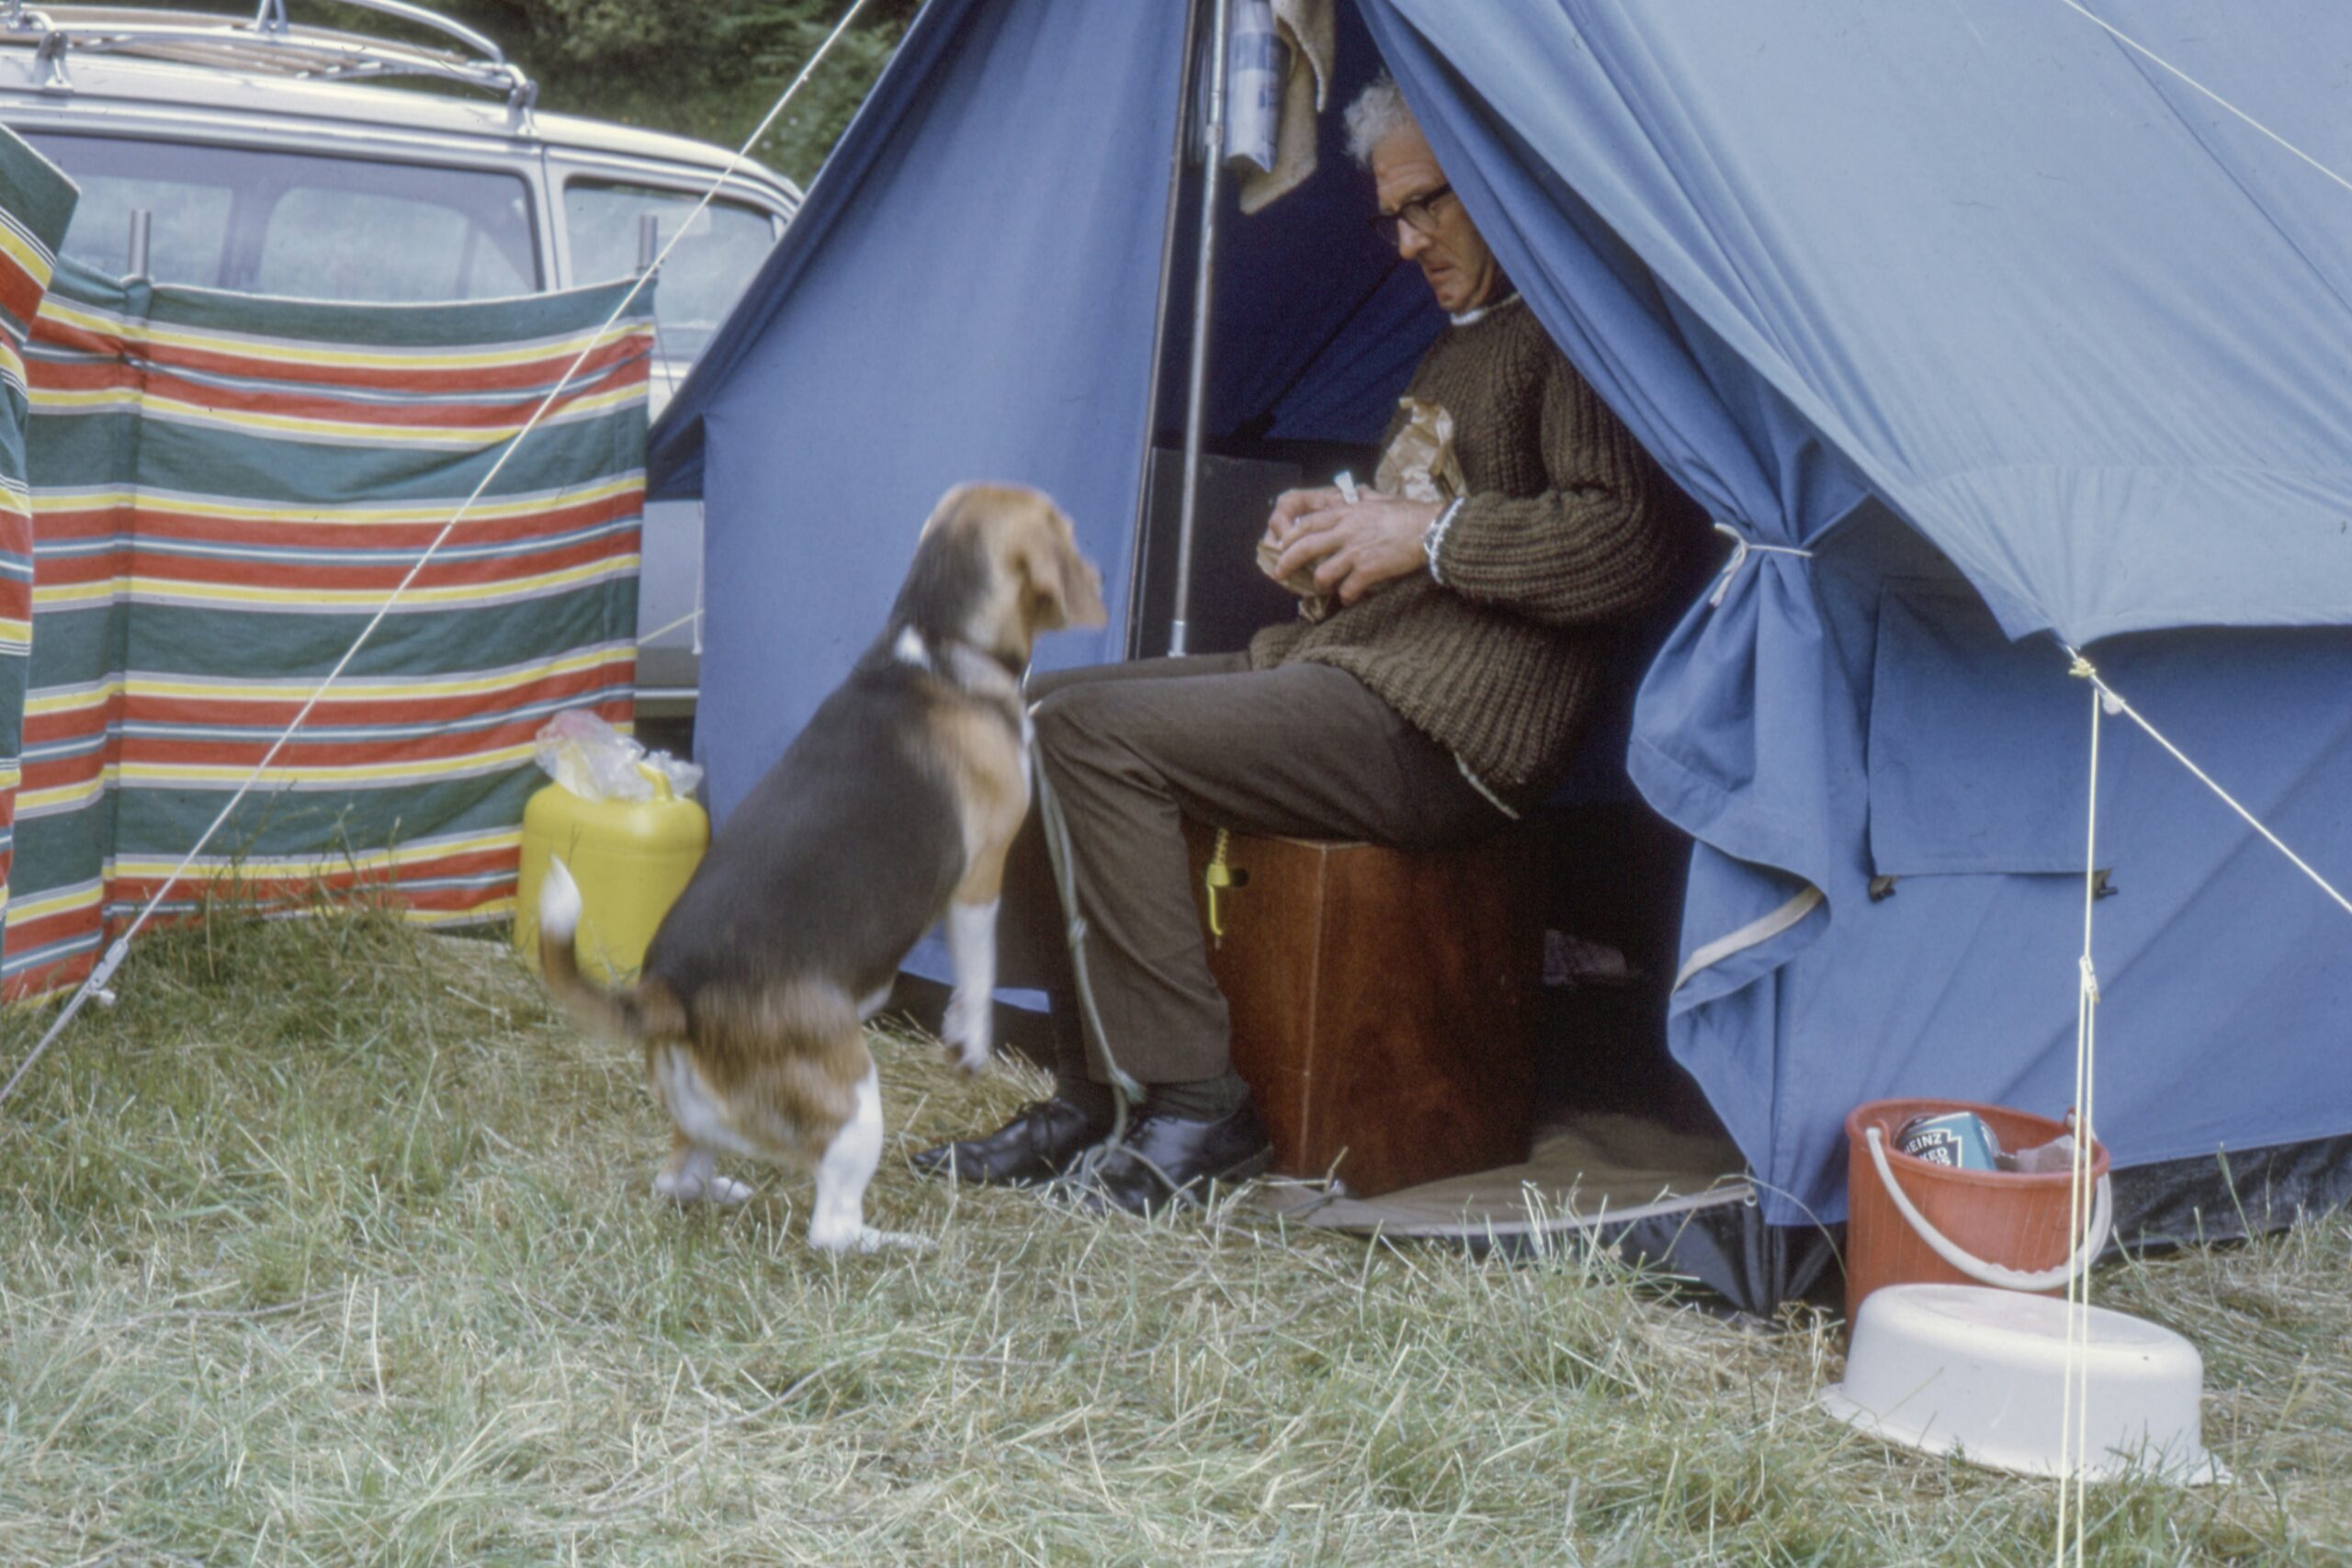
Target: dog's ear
{"x":1064,"y":583}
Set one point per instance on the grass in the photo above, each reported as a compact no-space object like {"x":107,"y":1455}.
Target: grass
{"x":331,"y":1245}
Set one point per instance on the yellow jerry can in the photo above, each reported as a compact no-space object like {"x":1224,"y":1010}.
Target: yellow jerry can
{"x":631,"y":858}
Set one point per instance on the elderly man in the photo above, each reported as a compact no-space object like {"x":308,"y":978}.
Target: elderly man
{"x":1442,"y":687}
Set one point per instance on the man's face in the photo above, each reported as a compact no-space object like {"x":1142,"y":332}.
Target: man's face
{"x":1462,"y":272}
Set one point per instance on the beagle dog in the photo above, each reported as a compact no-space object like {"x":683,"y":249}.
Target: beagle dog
{"x":893,"y":808}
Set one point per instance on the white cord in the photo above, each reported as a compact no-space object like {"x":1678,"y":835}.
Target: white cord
{"x":694,"y":615}
{"x":113,"y":954}
{"x":1742,"y":547}
{"x":2073,"y":1422}
{"x":2115,"y":704}
{"x":2136,"y":46}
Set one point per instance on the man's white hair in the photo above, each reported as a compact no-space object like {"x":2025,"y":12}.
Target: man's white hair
{"x":1378,"y":113}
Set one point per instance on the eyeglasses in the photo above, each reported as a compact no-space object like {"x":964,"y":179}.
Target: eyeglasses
{"x":1419,"y":214}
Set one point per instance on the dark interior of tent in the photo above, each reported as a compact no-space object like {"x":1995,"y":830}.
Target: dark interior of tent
{"x":1315,"y":326}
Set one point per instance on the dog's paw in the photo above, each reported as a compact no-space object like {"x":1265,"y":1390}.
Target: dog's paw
{"x":967,"y":1033}
{"x":866,"y":1238}
{"x":727,"y":1190}
{"x":684,"y":1188}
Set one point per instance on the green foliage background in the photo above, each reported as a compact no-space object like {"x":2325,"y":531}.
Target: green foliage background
{"x":703,"y":68}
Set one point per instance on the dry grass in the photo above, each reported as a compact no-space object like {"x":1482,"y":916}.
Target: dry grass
{"x":331,"y":1246}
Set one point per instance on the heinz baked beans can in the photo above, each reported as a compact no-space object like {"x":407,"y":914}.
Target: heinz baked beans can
{"x":1955,"y":1138}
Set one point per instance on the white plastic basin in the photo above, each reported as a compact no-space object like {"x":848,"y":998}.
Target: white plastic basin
{"x":1982,"y":1375}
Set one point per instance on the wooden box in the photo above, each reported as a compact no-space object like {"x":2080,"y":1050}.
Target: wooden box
{"x":1383,"y":1002}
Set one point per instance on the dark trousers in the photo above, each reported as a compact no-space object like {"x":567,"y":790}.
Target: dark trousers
{"x":1131,"y":750}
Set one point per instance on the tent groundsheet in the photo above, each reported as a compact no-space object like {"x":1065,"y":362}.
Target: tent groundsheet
{"x":1583,"y":1169}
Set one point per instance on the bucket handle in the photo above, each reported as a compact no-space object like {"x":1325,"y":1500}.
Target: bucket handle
{"x":1975,"y":1268}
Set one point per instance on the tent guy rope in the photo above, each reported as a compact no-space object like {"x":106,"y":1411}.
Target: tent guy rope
{"x":116,"y":951}
{"x":2073,"y":1422}
{"x":2138,"y":48}
{"x":2114,"y":703}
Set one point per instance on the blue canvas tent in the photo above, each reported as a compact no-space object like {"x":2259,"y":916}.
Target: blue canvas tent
{"x":1986,"y":331}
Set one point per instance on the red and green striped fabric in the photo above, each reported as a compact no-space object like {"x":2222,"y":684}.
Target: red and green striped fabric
{"x":36,"y":202}
{"x":223,"y":491}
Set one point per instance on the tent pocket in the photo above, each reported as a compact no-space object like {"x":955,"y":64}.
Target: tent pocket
{"x":1979,"y":747}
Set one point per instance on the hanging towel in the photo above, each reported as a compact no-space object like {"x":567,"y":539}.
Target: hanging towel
{"x":1257,"y":61}
{"x":1308,"y":28}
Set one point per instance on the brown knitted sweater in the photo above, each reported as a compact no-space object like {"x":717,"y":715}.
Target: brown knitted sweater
{"x":1569,"y":530}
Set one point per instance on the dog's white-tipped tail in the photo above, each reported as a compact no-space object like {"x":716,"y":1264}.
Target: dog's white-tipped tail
{"x":598,"y":1010}
{"x":558,"y":902}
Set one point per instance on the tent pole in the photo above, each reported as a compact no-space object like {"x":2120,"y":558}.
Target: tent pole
{"x":1196,"y":397}
{"x":1177,"y":153}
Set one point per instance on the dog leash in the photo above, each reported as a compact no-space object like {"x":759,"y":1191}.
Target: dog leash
{"x":1126,"y":1091}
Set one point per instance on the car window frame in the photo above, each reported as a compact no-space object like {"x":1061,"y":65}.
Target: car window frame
{"x":566,"y":166}
{"x":375,"y":144}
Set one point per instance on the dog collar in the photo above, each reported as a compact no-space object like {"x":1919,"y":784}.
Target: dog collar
{"x":964,"y":665}
{"x":980,"y":672}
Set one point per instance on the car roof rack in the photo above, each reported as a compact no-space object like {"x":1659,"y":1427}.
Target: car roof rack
{"x":271,"y":43}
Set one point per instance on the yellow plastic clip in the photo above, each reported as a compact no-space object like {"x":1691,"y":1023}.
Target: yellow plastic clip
{"x":1217,"y":878}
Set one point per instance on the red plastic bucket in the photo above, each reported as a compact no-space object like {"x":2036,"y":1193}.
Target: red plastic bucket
{"x":1963,"y":1227}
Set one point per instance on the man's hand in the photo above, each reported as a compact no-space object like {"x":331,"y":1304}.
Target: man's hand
{"x":1351,"y":549}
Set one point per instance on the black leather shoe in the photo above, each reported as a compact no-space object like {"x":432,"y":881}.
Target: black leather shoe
{"x":1037,"y":1144}
{"x":1167,"y":1158}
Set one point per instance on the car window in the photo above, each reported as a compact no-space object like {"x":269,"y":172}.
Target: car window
{"x":187,"y":234}
{"x":295,"y":223}
{"x":724,"y":244}
{"x":419,"y":247}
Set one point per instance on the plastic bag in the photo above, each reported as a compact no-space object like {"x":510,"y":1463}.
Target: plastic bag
{"x":2054,"y":1155}
{"x":1420,"y":463}
{"x":683,"y":776}
{"x":595,"y":762}
{"x":591,"y":759}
